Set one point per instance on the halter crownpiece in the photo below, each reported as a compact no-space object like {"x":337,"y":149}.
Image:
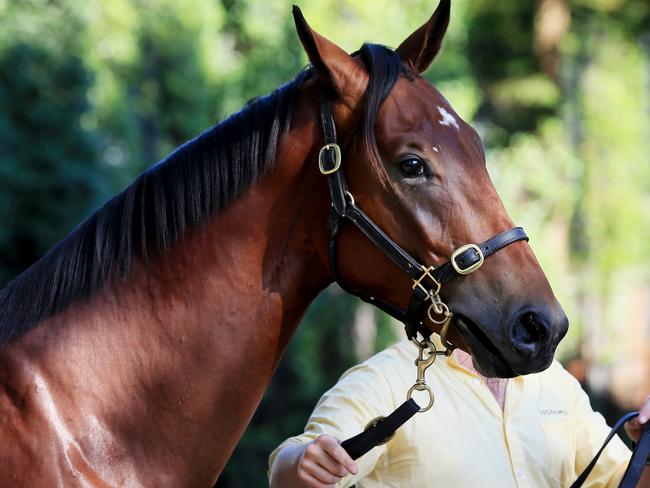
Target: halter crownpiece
{"x":427,"y":280}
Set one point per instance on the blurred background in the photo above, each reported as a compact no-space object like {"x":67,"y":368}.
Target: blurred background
{"x":91,"y":93}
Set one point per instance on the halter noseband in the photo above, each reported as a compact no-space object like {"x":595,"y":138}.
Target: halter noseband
{"x":427,"y":280}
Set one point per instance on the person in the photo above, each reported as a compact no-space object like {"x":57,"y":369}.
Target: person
{"x":537,"y":430}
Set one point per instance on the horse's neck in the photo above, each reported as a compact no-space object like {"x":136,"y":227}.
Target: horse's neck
{"x":180,"y":352}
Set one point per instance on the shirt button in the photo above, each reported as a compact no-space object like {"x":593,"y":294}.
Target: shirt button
{"x":477,"y":381}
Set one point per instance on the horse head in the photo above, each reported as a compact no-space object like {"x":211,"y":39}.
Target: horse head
{"x":418,"y":172}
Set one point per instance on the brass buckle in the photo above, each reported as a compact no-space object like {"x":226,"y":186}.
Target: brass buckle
{"x":473,"y":267}
{"x":337,"y":158}
{"x":427,"y":273}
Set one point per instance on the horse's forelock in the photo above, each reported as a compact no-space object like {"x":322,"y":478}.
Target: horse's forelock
{"x":384,"y":67}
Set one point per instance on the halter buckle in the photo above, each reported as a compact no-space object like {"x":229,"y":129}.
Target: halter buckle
{"x":472,"y":267}
{"x":337,"y":158}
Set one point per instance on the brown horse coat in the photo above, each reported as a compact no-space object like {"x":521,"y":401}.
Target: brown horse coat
{"x":150,"y":377}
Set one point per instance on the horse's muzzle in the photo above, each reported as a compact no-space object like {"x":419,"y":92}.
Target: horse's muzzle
{"x":527,"y":346}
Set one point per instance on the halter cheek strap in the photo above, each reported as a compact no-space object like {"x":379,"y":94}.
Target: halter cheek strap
{"x":427,"y":280}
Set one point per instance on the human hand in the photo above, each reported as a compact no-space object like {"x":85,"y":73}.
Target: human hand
{"x":324,"y":462}
{"x":634,"y":427}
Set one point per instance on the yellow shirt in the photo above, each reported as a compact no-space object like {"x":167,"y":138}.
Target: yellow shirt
{"x":545,"y":435}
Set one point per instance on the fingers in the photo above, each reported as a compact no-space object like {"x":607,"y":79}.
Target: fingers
{"x":333,"y":466}
{"x":310,"y":480}
{"x":320,"y":473}
{"x":338,"y":454}
{"x":644,"y":411}
{"x":324,"y":462}
{"x":635,"y":426}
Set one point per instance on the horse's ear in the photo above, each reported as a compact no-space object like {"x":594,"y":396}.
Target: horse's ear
{"x":332,"y":64}
{"x":421,"y":47}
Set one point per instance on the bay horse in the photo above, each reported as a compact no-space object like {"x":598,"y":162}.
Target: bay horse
{"x":135,"y":352}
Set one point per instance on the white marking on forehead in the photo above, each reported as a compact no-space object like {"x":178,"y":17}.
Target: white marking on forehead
{"x":448,"y":119}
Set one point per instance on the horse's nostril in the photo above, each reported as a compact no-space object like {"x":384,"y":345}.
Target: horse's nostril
{"x":535,"y":328}
{"x":530,"y":333}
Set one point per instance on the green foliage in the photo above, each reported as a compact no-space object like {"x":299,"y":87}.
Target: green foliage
{"x":168,"y":92}
{"x":48,"y":179}
{"x":518,"y":95}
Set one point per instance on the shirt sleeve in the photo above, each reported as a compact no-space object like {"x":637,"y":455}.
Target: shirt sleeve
{"x":360,"y":395}
{"x":591,"y":431}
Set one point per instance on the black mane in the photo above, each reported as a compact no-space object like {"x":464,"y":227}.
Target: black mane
{"x":181,"y":192}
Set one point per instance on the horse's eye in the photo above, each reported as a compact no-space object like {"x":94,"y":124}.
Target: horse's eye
{"x":411,"y":167}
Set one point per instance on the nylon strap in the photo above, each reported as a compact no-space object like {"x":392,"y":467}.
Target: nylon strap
{"x":637,"y":463}
{"x":639,"y":460}
{"x":381,"y":431}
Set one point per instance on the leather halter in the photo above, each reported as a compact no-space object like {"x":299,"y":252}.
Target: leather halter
{"x":427,"y":279}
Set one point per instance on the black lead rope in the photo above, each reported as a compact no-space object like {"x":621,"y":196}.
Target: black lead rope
{"x":637,"y":463}
{"x":381,"y":431}
{"x":640,"y":459}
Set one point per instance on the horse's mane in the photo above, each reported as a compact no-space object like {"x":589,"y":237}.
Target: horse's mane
{"x":180,"y":192}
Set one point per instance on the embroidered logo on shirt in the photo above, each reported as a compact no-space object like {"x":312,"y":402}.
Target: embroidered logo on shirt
{"x":552,"y":412}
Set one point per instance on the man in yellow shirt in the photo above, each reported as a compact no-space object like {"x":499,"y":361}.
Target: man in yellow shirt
{"x":530,"y":431}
